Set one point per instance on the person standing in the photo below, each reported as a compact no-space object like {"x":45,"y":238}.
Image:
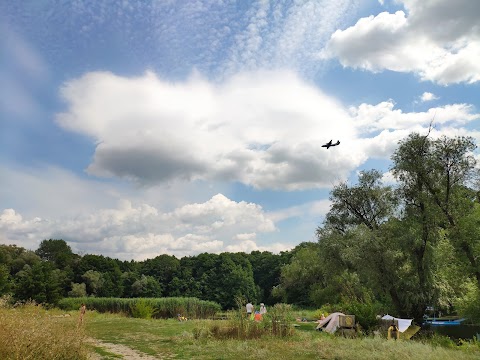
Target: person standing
{"x":83,"y":310}
{"x":249,"y":308}
{"x":263,"y":309}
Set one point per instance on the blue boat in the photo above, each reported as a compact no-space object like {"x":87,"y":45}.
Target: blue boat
{"x":443,"y":322}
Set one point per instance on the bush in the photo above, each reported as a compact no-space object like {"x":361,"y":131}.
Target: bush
{"x":469,"y":305}
{"x":141,"y":309}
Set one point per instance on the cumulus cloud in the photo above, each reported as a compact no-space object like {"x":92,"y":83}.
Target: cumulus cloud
{"x":428,"y":96}
{"x":439,"y":40}
{"x":383,"y":116}
{"x":142,"y":231}
{"x":262,"y":129}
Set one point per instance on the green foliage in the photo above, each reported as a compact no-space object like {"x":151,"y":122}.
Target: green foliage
{"x":301,"y":276}
{"x":78,"y":290}
{"x":4,"y":280}
{"x":142,"y":309}
{"x":468,"y":306}
{"x":56,"y":251}
{"x":146,"y":286}
{"x":281,"y":318}
{"x":365,"y":312}
{"x":93,"y":281}
{"x":267,"y":269}
{"x":40,"y":283}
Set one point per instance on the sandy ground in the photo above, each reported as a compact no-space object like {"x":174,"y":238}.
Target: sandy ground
{"x":124,"y":351}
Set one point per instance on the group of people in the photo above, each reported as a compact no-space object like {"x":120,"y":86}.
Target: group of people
{"x":253,"y":314}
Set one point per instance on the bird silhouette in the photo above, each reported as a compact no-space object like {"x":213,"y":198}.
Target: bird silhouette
{"x":329,"y":144}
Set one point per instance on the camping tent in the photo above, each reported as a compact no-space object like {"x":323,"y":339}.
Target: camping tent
{"x":403,"y":324}
{"x":330,"y":324}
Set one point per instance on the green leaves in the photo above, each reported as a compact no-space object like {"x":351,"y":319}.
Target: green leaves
{"x":393,"y":240}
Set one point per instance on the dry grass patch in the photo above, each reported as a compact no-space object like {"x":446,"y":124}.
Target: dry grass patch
{"x":32,"y":332}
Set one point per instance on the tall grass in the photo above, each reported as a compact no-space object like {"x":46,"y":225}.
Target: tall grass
{"x":32,"y":332}
{"x":192,"y":308}
{"x":277,"y":323}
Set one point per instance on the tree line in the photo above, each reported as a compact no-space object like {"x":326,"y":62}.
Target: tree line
{"x":53,"y":272}
{"x":398,"y":248}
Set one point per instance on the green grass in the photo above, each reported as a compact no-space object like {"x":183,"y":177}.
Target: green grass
{"x":106,"y":355}
{"x":173,"y":339}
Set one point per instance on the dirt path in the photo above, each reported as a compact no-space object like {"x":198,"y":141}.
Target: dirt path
{"x":125,"y":352}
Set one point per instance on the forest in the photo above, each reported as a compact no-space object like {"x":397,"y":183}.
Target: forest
{"x":396,"y":247}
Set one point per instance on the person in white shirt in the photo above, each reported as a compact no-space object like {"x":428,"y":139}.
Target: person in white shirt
{"x":263,"y":309}
{"x":249,"y":307}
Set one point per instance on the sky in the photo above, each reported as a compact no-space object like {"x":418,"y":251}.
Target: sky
{"x":136,"y":128}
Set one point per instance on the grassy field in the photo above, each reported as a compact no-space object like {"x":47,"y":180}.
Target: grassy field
{"x":36,"y":333}
{"x":172,"y":339}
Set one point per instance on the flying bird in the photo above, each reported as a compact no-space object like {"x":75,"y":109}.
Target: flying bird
{"x":329,"y":144}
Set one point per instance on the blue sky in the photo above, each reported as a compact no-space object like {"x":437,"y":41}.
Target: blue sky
{"x":136,"y":128}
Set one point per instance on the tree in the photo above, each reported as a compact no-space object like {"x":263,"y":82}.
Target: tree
{"x":40,"y":282}
{"x":436,"y":170}
{"x":466,"y":240}
{"x":369,"y":203}
{"x":301,"y":276}
{"x":94,"y":282}
{"x":432,"y":176}
{"x":78,"y":290}
{"x":266,"y":272}
{"x":110,"y":275}
{"x":4,"y":280}
{"x":163,"y":268}
{"x":146,"y":286}
{"x":56,"y":251}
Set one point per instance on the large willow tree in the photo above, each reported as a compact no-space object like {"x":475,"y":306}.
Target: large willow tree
{"x":398,"y":242}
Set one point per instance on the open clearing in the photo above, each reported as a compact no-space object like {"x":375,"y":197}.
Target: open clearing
{"x":117,"y":337}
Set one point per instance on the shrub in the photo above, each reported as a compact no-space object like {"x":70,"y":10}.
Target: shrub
{"x":469,"y":305}
{"x":141,"y":309}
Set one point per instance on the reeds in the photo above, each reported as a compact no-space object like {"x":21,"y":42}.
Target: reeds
{"x":191,"y":308}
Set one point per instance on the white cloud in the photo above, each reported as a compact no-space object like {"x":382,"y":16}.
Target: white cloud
{"x":143,"y":231}
{"x":263,"y":129}
{"x":314,"y":209}
{"x":251,"y":128}
{"x":428,"y":96}
{"x":389,"y":179}
{"x":383,"y":116}
{"x":439,"y":40}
